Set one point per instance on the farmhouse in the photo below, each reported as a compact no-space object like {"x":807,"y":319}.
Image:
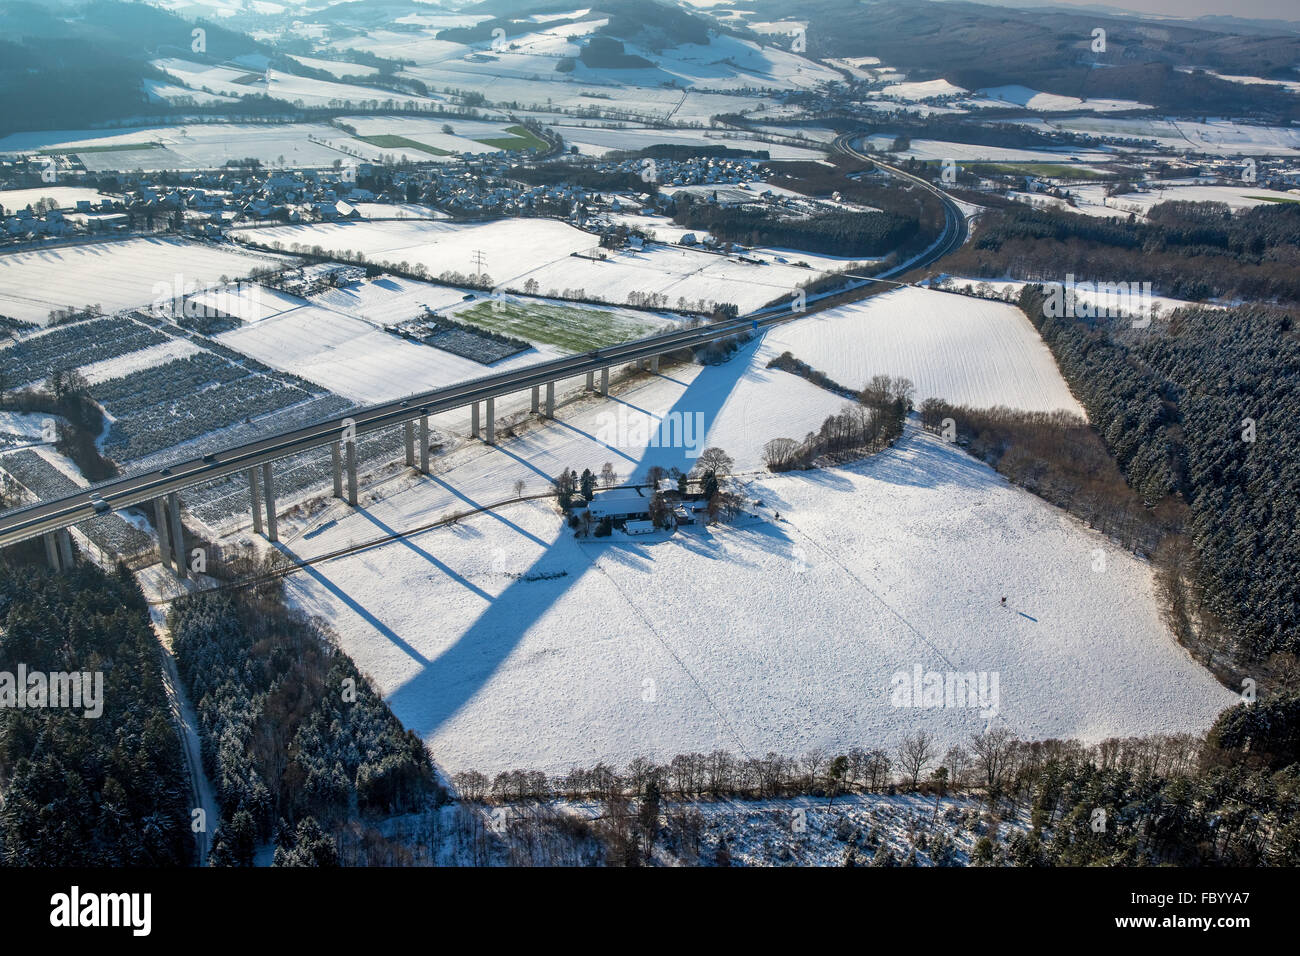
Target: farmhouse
{"x":618,"y":504}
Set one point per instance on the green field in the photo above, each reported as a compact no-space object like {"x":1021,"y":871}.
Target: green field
{"x":98,"y":149}
{"x":567,"y":327}
{"x":391,"y":141}
{"x":521,"y":138}
{"x":1272,"y":199}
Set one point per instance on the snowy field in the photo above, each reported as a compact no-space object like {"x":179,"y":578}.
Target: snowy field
{"x":337,"y":338}
{"x":517,"y":250}
{"x":236,"y":82}
{"x":1003,"y":96}
{"x":1217,"y":136}
{"x":64,"y":197}
{"x":355,"y":359}
{"x":597,"y":141}
{"x":965,"y":350}
{"x":937,"y":149}
{"x":112,"y":275}
{"x":549,"y":652}
{"x":1094,"y":201}
{"x":921,"y":90}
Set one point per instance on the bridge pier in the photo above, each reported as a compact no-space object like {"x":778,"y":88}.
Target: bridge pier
{"x":336,"y":459}
{"x":550,"y":399}
{"x":51,"y":550}
{"x":268,"y":489}
{"x":537,"y":399}
{"x":350,"y":448}
{"x":178,"y":534}
{"x":408,"y":432}
{"x":58,"y":549}
{"x":654,"y":365}
{"x":591,"y":381}
{"x":604,"y":381}
{"x":474,"y":431}
{"x":160,"y":525}
{"x":490,"y":406}
{"x":256,"y":495}
{"x":424,"y":444}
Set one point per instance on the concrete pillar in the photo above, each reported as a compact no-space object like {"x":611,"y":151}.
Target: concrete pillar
{"x":164,"y":539}
{"x":537,"y":399}
{"x":350,"y":449}
{"x":64,"y":537}
{"x":654,"y":365}
{"x":256,"y":495}
{"x":473,"y":421}
{"x":424,"y":444}
{"x":408,"y":432}
{"x":604,"y":381}
{"x":591,"y":381}
{"x":336,"y":456}
{"x":550,"y":399}
{"x":51,"y":550}
{"x":491,"y":423}
{"x":268,"y":490}
{"x":178,"y":534}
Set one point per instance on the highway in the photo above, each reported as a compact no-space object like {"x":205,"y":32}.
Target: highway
{"x":29,"y":521}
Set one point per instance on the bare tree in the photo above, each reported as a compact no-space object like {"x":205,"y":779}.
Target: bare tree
{"x":992,"y":752}
{"x":915,"y":754}
{"x":714,"y":460}
{"x":957,"y":760}
{"x":607,"y":475}
{"x":811,"y":764}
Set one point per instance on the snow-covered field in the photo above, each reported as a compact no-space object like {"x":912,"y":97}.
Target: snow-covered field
{"x":355,"y":359}
{"x":517,"y":250}
{"x":1094,"y":201}
{"x":112,"y":275}
{"x":1220,"y":136}
{"x":937,"y":149}
{"x":597,"y":141}
{"x":191,"y":147}
{"x":548,"y":652}
{"x":1054,"y":102}
{"x":967,"y":351}
{"x":921,"y":90}
{"x":64,"y":197}
{"x":300,"y":90}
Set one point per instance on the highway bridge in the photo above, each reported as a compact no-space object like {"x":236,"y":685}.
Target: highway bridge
{"x":255,"y":459}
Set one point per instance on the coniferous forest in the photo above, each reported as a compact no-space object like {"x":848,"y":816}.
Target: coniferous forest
{"x":88,"y":791}
{"x":1202,"y":408}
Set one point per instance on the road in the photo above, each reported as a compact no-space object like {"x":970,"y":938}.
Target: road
{"x":21,"y":524}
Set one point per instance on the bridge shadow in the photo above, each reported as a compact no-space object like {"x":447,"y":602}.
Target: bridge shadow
{"x":446,"y":684}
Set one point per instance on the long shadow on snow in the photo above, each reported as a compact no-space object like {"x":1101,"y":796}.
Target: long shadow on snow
{"x":451,"y":680}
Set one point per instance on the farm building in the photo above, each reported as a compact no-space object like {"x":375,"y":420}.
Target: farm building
{"x":618,"y":504}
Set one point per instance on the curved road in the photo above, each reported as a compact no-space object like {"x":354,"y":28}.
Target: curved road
{"x":20,"y":524}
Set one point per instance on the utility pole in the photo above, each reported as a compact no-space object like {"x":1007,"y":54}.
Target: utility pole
{"x":479,"y":261}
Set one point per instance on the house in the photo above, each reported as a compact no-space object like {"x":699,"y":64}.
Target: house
{"x":618,"y":504}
